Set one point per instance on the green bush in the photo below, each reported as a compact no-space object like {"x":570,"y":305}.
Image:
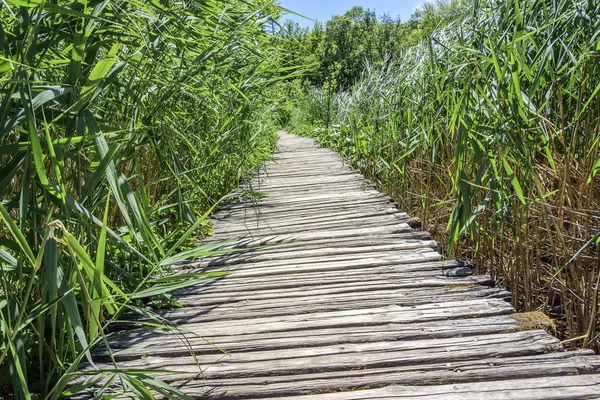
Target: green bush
{"x":122,"y":124}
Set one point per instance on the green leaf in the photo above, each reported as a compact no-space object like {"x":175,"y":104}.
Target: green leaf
{"x":117,"y":239}
{"x":49,"y":276}
{"x":166,"y":288}
{"x":184,"y":276}
{"x":97,"y":289}
{"x":513,"y":180}
{"x":39,"y":310}
{"x":161,"y":387}
{"x":87,"y":264}
{"x":594,"y":171}
{"x":136,"y":386}
{"x":594,"y":241}
{"x":199,"y":251}
{"x":24,"y":3}
{"x":16,"y":233}
{"x":69,"y":303}
{"x":125,"y":197}
{"x":9,"y":259}
{"x":10,"y":170}
{"x":96,"y":77}
{"x":16,"y":367}
{"x":38,"y":101}
{"x":81,"y":386}
{"x":94,"y":180}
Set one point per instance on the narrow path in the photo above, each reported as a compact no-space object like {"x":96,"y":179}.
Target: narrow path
{"x":349,"y":302}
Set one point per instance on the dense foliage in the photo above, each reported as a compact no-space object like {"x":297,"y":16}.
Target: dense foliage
{"x":339,"y":51}
{"x":121,"y":124}
{"x":489,"y":126}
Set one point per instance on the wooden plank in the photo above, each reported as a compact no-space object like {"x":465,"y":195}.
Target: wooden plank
{"x":284,"y":168}
{"x":295,"y":216}
{"x":332,"y":232}
{"x":342,"y":319}
{"x":382,"y":275}
{"x":386,"y":257}
{"x":392,"y":240}
{"x":323,"y":186}
{"x":270,"y":238}
{"x":312,"y":158}
{"x":293,"y":173}
{"x":305,"y":181}
{"x":325,"y":246}
{"x":315,"y":187}
{"x":338,"y":205}
{"x":290,"y":241}
{"x":307,"y":208}
{"x":343,"y":285}
{"x":375,"y":223}
{"x":306,"y":251}
{"x":324,"y":189}
{"x":544,"y":388}
{"x":307,"y":300}
{"x":137,"y":342}
{"x":310,"y":199}
{"x":251,"y":239}
{"x":349,"y":356}
{"x":312,"y":221}
{"x":298,"y":195}
{"x":556,"y":364}
{"x":263,"y":227}
{"x":244,"y":271}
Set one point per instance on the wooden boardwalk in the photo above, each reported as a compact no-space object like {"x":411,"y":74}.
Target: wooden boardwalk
{"x":348,"y":303}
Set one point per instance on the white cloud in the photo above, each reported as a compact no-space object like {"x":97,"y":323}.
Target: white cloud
{"x":420,"y":5}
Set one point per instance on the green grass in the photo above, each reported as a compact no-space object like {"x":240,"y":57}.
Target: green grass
{"x":122,"y":124}
{"x":489,"y":130}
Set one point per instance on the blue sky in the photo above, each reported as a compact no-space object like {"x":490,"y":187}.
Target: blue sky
{"x":322,"y":10}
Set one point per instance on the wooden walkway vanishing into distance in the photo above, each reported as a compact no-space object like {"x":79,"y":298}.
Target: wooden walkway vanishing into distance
{"x":348,"y":302}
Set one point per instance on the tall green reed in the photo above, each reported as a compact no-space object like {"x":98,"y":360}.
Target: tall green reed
{"x":491,"y":128}
{"x":122,"y":124}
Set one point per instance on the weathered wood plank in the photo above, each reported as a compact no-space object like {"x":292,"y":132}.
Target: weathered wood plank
{"x":355,"y":233}
{"x":543,"y":388}
{"x":556,"y":364}
{"x":294,"y":173}
{"x":335,"y":206}
{"x":373,"y":222}
{"x":303,"y":250}
{"x":172,"y":343}
{"x":245,"y":271}
{"x":313,"y":222}
{"x":310,"y":200}
{"x":286,"y":242}
{"x":236,"y":305}
{"x":350,"y":356}
{"x":348,"y":286}
{"x":399,"y":256}
{"x":340,"y":286}
{"x":306,"y":181}
{"x":294,"y":217}
{"x":346,"y":318}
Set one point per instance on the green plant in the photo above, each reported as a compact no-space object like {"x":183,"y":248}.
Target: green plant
{"x":122,"y":124}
